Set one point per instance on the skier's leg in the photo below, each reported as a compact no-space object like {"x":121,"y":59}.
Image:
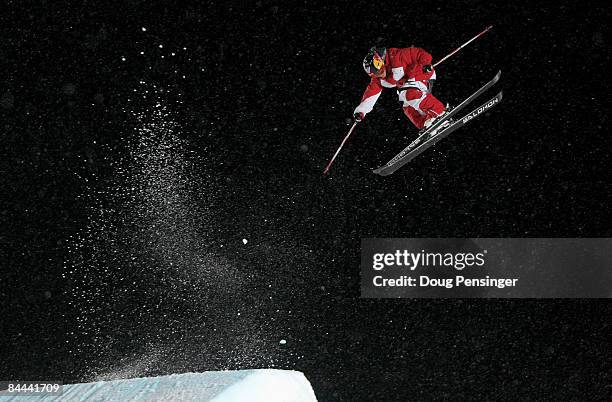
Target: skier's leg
{"x":412,"y":99}
{"x":415,"y":117}
{"x":431,"y":106}
{"x":434,"y":110}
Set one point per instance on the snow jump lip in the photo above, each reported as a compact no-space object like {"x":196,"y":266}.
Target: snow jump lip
{"x":260,"y":385}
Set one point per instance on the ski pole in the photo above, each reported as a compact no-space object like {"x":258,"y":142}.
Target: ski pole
{"x":339,"y":148}
{"x":464,"y":45}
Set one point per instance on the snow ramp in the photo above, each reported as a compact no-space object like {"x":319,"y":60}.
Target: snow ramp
{"x":264,"y":385}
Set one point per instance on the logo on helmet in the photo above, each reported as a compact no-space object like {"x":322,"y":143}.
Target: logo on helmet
{"x":377,"y":62}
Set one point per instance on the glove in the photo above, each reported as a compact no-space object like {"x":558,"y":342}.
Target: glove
{"x":427,"y":68}
{"x":358,"y":116}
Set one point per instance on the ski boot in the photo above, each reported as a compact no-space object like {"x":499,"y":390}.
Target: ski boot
{"x":429,"y":122}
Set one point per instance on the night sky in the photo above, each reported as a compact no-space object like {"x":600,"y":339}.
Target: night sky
{"x":163,"y":208}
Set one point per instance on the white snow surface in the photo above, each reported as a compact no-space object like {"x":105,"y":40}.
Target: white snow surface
{"x":265,"y":385}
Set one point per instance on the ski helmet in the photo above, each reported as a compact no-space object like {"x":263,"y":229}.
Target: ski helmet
{"x":374,"y":60}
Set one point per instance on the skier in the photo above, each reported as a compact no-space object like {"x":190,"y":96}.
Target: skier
{"x":410,"y":72}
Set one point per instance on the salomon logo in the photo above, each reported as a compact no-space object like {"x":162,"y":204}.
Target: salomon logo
{"x":481,"y":109}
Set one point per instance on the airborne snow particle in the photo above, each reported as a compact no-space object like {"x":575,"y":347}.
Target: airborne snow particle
{"x":244,"y":241}
{"x":143,"y":29}
{"x":304,"y":148}
{"x":282,"y":342}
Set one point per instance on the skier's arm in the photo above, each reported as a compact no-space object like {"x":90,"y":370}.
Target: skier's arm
{"x":418,"y":62}
{"x":370,"y":96}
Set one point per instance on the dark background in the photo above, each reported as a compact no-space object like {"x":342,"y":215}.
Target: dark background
{"x":128,"y":187}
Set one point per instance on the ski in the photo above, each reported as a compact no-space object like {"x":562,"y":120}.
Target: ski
{"x":425,"y":134}
{"x":427,"y":143}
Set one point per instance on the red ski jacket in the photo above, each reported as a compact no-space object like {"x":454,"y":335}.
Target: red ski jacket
{"x":404,"y":70}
